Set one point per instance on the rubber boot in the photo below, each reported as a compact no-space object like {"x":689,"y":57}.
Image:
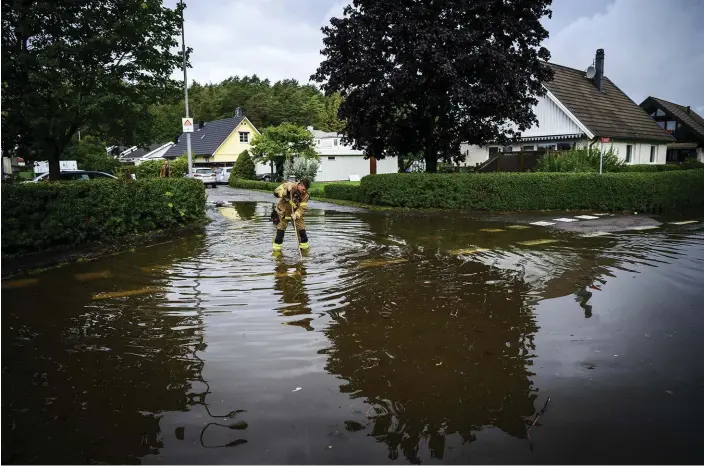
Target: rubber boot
{"x":304,"y":239}
{"x":278,"y":241}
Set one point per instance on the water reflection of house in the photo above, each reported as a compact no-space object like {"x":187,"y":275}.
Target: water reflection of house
{"x":579,"y":110}
{"x":685,"y":125}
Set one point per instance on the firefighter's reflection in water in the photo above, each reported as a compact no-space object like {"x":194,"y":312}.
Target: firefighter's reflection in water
{"x":290,"y":281}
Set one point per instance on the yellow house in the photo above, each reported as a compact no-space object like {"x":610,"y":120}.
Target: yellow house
{"x":217,"y":142}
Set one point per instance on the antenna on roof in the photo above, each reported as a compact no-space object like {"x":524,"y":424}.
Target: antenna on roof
{"x":591,"y":72}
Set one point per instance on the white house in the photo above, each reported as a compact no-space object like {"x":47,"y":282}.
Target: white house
{"x":339,"y":162}
{"x":156,"y":154}
{"x":581,"y":111}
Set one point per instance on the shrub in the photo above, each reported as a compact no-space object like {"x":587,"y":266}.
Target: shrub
{"x":645,"y":168}
{"x":579,"y":160}
{"x":342,"y":191}
{"x":642,"y":192}
{"x":252,"y":184}
{"x":300,"y":167}
{"x":152,"y":168}
{"x":244,"y":167}
{"x":43,"y":216}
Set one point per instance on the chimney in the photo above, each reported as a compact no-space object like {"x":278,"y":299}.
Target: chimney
{"x":201,"y":123}
{"x":239,"y":112}
{"x":599,"y":76}
{"x":688,"y":109}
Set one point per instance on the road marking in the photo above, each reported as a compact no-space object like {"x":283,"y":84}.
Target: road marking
{"x":565,"y":219}
{"x":586,"y":217}
{"x":459,"y":252}
{"x":20,"y":283}
{"x":121,"y":294}
{"x":595,"y":234}
{"x":645,"y":227}
{"x":379,"y":262}
{"x":491,"y":230}
{"x":542,"y":223}
{"x":518,"y":227}
{"x":536,"y":242}
{"x":684,"y":222}
{"x":601,"y":215}
{"x":93,"y":275}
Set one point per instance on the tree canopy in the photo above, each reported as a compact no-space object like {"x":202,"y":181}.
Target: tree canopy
{"x":428,"y":76}
{"x":265,"y":104}
{"x":277,"y":144}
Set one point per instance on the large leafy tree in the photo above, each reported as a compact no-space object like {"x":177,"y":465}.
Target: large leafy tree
{"x":75,"y":64}
{"x":428,"y":75}
{"x":276,"y":144}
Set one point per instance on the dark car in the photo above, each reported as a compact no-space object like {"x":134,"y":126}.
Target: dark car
{"x":73,"y":175}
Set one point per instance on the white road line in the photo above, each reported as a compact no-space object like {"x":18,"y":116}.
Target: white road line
{"x":684,"y":222}
{"x":542,"y":224}
{"x":595,"y":234}
{"x":601,"y":215}
{"x":565,"y":219}
{"x":645,"y":227}
{"x":586,"y":217}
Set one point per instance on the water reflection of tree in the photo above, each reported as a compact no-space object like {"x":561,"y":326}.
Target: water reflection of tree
{"x":86,"y":382}
{"x":289,"y":280}
{"x":436,"y":358}
{"x":246,"y":210}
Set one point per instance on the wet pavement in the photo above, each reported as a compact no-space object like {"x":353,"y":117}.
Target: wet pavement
{"x":397,"y":339}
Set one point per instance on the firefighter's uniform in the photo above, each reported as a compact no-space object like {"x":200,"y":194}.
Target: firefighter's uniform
{"x":290,"y":201}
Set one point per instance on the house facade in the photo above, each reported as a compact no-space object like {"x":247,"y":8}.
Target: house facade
{"x":582,"y":111}
{"x":683,"y":123}
{"x":338,"y":161}
{"x":218,"y":143}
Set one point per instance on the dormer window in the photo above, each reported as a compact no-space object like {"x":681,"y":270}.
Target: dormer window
{"x":244,"y":137}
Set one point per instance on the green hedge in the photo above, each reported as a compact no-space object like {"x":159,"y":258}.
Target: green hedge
{"x":642,"y":192}
{"x":152,"y":168}
{"x":688,"y":165}
{"x":265,"y":186}
{"x":342,"y":191}
{"x":43,"y":216}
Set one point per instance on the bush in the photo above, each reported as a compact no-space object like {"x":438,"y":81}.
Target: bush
{"x":342,"y":191}
{"x":252,"y":184}
{"x":43,"y":216}
{"x":642,"y":192}
{"x":300,"y":167}
{"x":152,"y":168}
{"x":579,"y":161}
{"x":645,"y":168}
{"x":244,"y":167}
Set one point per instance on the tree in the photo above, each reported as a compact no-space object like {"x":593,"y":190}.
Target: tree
{"x":330,"y":114}
{"x":244,"y":167}
{"x":278,"y":143}
{"x":90,"y":154}
{"x":72,"y":64}
{"x":428,"y":76}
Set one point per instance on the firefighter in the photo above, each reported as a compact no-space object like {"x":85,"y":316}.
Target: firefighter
{"x":165,"y":172}
{"x":293,"y":202}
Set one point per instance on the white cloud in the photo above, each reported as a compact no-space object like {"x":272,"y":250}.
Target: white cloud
{"x":651,"y":47}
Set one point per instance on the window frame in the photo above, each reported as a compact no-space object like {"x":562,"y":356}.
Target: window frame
{"x":653,"y":154}
{"x":244,"y":137}
{"x":629,"y":153}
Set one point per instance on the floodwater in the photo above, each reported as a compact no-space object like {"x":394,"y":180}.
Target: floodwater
{"x":397,"y":339}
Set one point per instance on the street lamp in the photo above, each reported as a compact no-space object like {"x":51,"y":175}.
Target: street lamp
{"x":185,"y":89}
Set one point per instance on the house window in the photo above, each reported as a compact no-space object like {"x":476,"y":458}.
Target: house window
{"x":335,"y":142}
{"x":671,"y":125}
{"x":493,"y":150}
{"x":564,"y":146}
{"x":652,"y":154}
{"x":331,"y":158}
{"x":629,"y":153}
{"x":661,"y":124}
{"x":244,"y":136}
{"x":527,"y":148}
{"x":317,"y":142}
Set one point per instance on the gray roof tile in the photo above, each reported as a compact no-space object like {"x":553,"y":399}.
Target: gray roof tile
{"x":688,"y":118}
{"x":606,"y":114}
{"x":206,"y":140}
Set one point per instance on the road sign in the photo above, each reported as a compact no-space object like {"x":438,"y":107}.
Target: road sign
{"x":603,"y":140}
{"x":187,"y":124}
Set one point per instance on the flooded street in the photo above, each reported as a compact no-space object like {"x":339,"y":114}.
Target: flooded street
{"x":398,"y":338}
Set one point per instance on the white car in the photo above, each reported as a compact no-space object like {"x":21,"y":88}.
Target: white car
{"x":73,"y":175}
{"x":207,"y":176}
{"x":223,"y":175}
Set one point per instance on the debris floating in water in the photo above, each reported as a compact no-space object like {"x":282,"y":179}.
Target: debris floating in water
{"x":536,"y":242}
{"x":122,"y":294}
{"x":492,"y":230}
{"x":93,"y":275}
{"x":460,"y":252}
{"x":379,"y":262}
{"x":297,"y":389}
{"x":20,"y":283}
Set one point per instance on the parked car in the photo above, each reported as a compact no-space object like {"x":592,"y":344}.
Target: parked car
{"x":207,"y":176}
{"x":73,"y":175}
{"x":223,"y":175}
{"x":265,"y":177}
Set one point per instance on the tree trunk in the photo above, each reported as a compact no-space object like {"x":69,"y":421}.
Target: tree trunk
{"x":431,"y":160}
{"x":54,"y":167}
{"x":372,"y":166}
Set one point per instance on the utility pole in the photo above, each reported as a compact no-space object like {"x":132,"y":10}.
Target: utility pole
{"x":185,"y":89}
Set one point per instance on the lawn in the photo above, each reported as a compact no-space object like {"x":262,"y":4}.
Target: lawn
{"x":321,"y":184}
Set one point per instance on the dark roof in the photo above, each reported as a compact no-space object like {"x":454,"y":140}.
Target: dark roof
{"x":607,"y":113}
{"x":689,"y":118}
{"x":140,"y":152}
{"x":206,"y":140}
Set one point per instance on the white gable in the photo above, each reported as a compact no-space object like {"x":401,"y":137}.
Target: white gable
{"x":552,"y":120}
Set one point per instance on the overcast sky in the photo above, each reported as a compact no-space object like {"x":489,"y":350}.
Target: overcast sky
{"x":653,"y":47}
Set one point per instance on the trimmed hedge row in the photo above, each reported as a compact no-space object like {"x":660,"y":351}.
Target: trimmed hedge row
{"x":44,"y":216}
{"x":641,"y":168}
{"x":642,"y":192}
{"x":265,"y":186}
{"x":342,"y":191}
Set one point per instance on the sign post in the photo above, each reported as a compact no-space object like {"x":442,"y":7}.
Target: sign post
{"x":601,"y":154}
{"x":185,"y":93}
